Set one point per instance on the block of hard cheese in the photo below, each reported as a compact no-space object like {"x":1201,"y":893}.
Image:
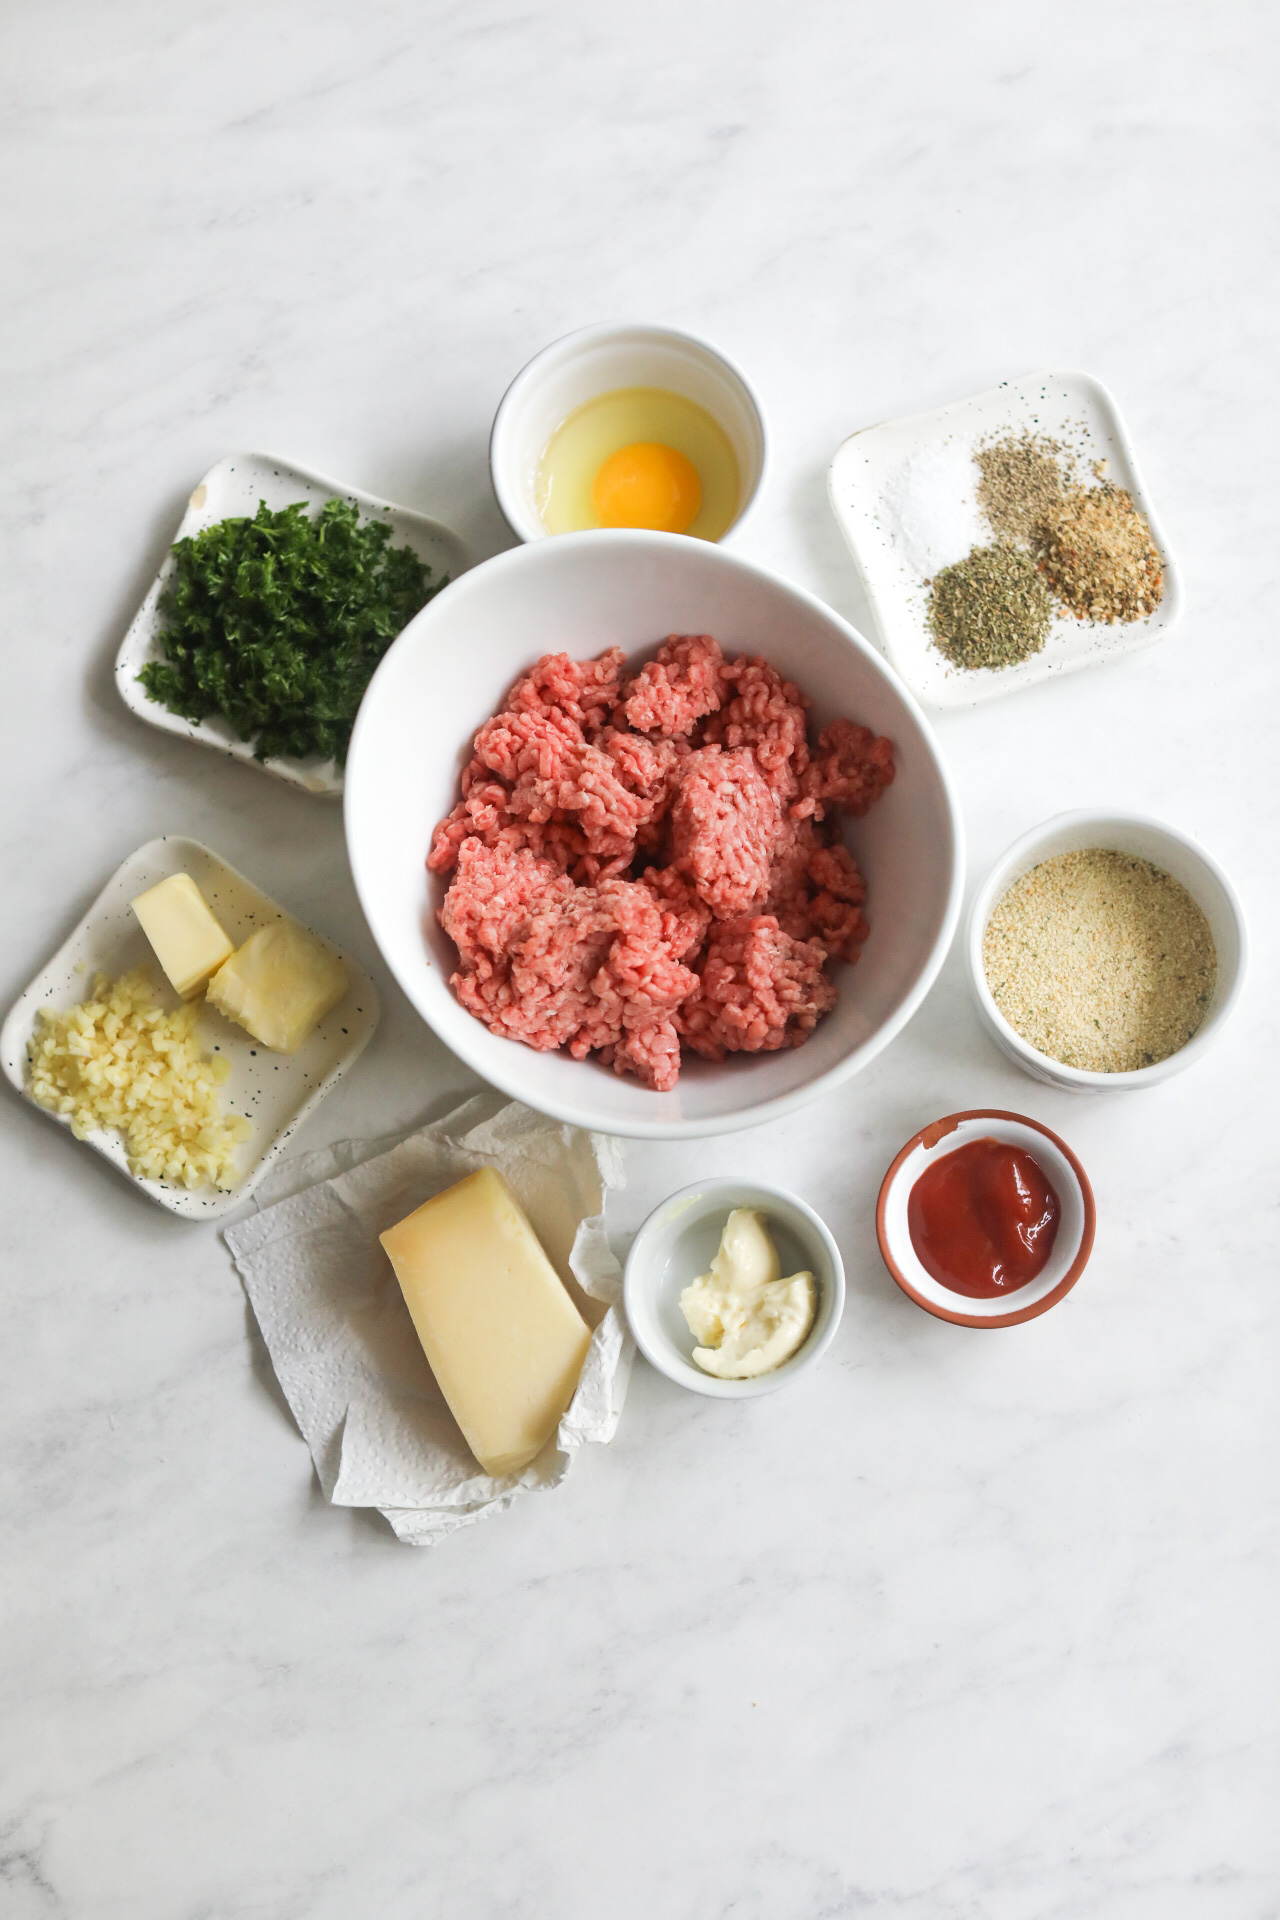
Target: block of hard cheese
{"x":279,"y":985}
{"x":186,"y":939}
{"x":503,"y":1339}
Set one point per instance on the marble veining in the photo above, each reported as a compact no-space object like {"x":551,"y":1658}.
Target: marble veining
{"x":976,"y":1625}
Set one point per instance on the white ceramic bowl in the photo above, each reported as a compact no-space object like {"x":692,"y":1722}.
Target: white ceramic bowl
{"x":448,"y":671}
{"x":598,"y":360}
{"x":1145,"y":839}
{"x":677,"y":1243}
{"x":1072,"y":1244}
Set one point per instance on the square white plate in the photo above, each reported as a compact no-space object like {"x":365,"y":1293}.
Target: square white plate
{"x":235,"y":486}
{"x":1069,"y":407}
{"x":276,"y":1091}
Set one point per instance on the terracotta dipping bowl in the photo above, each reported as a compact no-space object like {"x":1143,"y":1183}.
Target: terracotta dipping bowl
{"x":1071,"y":1248}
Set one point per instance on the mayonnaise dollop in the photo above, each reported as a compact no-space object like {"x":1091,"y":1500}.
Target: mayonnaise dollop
{"x":745,"y":1316}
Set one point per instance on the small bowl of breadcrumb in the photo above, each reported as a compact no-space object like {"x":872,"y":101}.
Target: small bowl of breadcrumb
{"x":1106,"y":951}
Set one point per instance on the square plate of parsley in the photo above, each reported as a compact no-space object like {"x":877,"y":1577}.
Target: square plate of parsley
{"x":280,"y":594}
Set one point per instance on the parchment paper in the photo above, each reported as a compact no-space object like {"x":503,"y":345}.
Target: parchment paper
{"x":340,"y":1337}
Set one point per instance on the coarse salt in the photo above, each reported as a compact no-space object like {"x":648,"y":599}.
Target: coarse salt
{"x":931,"y":507}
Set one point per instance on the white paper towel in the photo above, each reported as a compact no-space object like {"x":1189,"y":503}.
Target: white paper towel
{"x":340,"y":1337}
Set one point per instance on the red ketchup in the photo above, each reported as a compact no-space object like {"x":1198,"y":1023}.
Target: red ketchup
{"x":983,"y":1219}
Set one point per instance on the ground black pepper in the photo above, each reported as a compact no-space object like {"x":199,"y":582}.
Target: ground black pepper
{"x":1021,"y":486}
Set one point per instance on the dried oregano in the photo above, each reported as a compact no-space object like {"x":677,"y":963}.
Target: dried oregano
{"x":990,"y":610}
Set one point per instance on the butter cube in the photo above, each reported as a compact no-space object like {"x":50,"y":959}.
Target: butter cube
{"x":187,"y":940}
{"x":279,"y":984}
{"x":503,"y":1339}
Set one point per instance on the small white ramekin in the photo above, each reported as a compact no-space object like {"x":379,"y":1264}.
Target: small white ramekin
{"x":676,"y":1244}
{"x":1144,"y":839}
{"x":597,"y":360}
{"x":1072,"y":1245}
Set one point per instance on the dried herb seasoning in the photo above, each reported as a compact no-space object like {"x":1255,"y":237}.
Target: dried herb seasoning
{"x":990,"y":610}
{"x":277,"y":623}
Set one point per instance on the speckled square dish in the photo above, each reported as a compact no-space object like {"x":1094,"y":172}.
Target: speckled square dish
{"x":275,"y":1090}
{"x":235,"y":486}
{"x":1069,"y":407}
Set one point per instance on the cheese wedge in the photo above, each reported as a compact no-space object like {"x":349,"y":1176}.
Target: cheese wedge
{"x":279,"y":984}
{"x":502,"y":1337}
{"x":185,"y":937}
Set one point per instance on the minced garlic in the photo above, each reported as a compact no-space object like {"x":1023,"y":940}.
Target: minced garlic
{"x":119,"y":1060}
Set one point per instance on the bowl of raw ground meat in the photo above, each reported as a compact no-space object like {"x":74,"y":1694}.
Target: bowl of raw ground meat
{"x":652,"y":839}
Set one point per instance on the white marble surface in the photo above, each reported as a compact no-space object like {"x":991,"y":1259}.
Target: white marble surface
{"x":975,"y":1625}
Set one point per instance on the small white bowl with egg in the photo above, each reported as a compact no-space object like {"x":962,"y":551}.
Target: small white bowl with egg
{"x":677,"y":1244}
{"x":585,"y":366}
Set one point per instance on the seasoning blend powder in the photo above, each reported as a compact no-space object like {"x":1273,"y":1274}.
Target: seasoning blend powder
{"x":1099,"y":558}
{"x":1101,"y":961}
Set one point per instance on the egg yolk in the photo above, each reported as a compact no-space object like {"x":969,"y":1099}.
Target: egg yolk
{"x":647,"y":485}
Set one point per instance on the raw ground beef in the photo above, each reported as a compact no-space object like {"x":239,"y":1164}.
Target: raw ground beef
{"x":760,"y":990}
{"x":672,"y":693}
{"x":724,"y":827}
{"x":643,"y":862}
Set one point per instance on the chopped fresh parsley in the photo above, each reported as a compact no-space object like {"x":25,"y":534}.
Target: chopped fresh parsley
{"x":278,"y":622}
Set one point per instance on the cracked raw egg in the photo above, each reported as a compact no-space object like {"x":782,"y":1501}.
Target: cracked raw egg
{"x":647,"y":485}
{"x":639,"y":457}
